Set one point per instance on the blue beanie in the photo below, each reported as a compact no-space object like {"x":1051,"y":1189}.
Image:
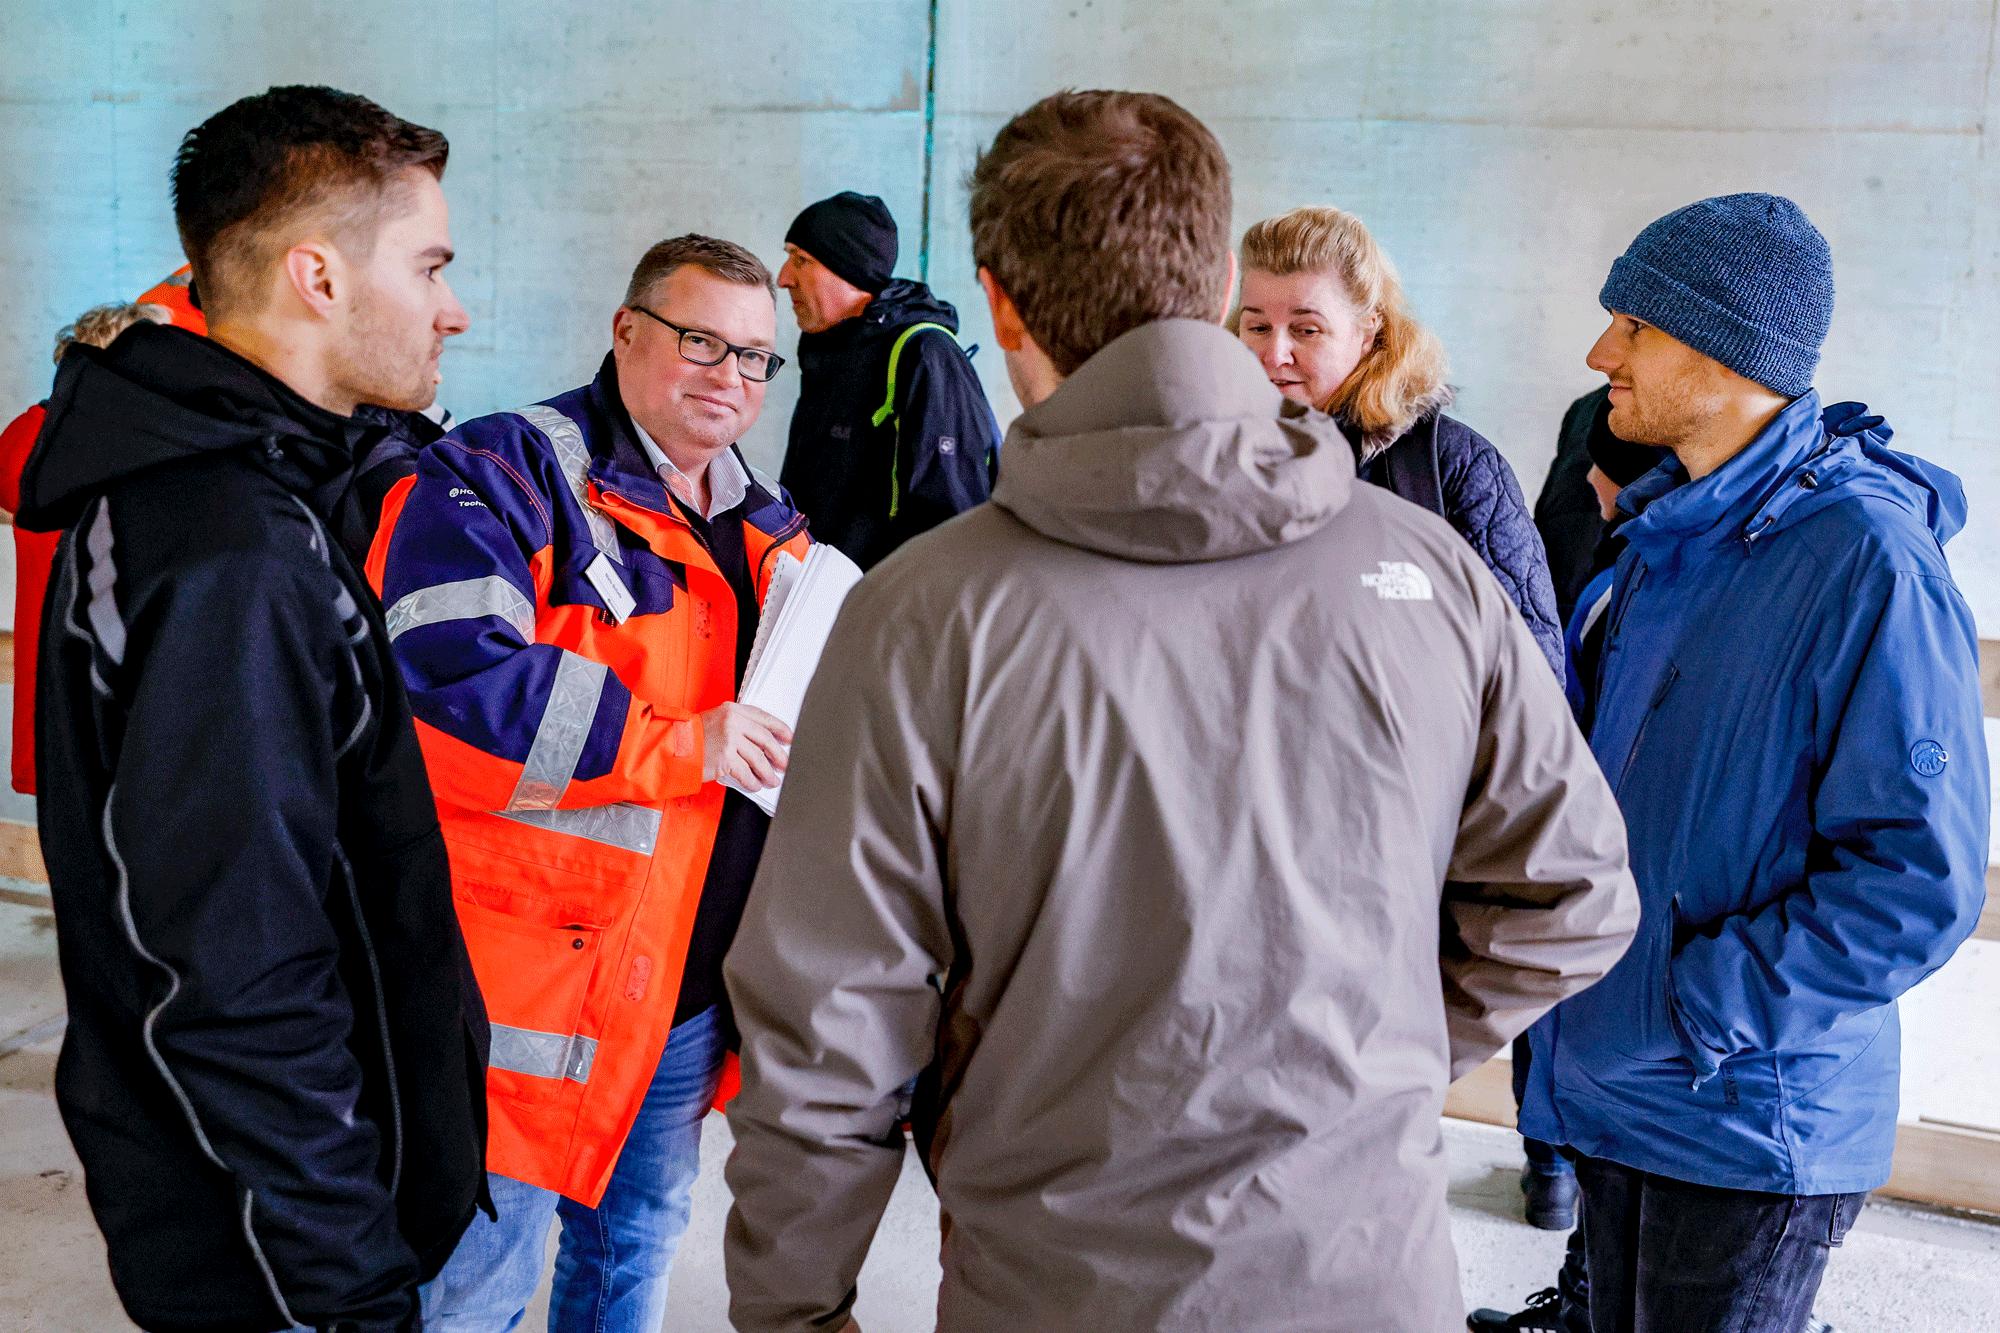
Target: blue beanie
{"x":1743,"y":278}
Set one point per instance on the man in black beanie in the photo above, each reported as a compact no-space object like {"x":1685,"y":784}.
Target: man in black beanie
{"x":892,"y":434}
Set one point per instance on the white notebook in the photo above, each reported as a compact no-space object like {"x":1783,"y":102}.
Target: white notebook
{"x":800,"y":604}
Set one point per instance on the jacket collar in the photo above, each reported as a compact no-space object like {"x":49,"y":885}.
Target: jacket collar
{"x":1170,"y":446}
{"x":159,"y":394}
{"x":1680,"y":519}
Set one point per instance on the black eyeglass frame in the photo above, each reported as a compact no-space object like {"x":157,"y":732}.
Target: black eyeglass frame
{"x":777,"y":362}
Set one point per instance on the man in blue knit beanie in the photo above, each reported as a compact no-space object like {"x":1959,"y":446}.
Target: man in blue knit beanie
{"x":1788,"y":709}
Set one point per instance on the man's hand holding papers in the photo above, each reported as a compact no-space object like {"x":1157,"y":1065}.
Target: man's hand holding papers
{"x":798,"y":613}
{"x":743,"y":746}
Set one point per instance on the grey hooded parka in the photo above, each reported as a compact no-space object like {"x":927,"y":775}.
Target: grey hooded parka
{"x":1193,"y":813}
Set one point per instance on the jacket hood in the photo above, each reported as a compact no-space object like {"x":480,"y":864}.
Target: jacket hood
{"x":1804,"y":461}
{"x":1170,"y":446}
{"x":159,"y":394}
{"x":899,"y":305}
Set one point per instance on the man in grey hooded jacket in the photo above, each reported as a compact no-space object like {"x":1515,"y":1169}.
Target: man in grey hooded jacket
{"x":1189,"y":816}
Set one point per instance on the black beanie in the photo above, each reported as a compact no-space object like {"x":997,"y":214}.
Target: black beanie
{"x":1620,"y":460}
{"x":853,"y":235}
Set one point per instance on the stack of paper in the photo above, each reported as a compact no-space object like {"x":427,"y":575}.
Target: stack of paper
{"x":800,"y":604}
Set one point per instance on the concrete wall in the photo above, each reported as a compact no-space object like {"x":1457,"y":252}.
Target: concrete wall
{"x":1504,"y":150}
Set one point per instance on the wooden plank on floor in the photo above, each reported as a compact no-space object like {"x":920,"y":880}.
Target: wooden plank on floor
{"x":1934,"y":1164}
{"x":21,"y":854}
{"x":1950,"y":1167}
{"x":1989,"y":919}
{"x":1989,"y":675}
{"x":1485,"y":1095}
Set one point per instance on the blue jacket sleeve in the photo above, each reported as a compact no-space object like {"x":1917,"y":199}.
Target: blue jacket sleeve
{"x":1894,"y":877}
{"x":463,"y":591}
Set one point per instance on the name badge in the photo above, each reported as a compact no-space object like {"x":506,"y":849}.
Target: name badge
{"x":618,"y":599}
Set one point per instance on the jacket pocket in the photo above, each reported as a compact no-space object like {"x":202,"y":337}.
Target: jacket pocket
{"x":534,"y":957}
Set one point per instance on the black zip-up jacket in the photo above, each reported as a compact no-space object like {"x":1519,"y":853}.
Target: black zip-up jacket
{"x":868,"y":488}
{"x":274,"y":1072}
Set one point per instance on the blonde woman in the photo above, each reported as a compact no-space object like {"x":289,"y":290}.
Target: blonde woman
{"x":1322,"y":309}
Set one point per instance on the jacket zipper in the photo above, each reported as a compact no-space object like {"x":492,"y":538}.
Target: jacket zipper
{"x":1659,"y":696}
{"x":785,"y":534}
{"x":1625,"y":602}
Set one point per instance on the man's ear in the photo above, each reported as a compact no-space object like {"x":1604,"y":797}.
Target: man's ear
{"x":318,"y":276}
{"x":1008,"y":330}
{"x":623,"y":325}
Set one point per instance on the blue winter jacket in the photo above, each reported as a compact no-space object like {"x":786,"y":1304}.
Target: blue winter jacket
{"x":1789,"y":712}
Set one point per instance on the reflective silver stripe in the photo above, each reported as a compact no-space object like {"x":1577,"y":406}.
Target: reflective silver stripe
{"x":541,"y":1054}
{"x":560,"y":738}
{"x":467,"y":599}
{"x":634,"y":828}
{"x":574,"y":457}
{"x":103,"y":581}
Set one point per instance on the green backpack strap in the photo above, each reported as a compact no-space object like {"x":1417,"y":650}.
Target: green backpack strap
{"x":888,"y":408}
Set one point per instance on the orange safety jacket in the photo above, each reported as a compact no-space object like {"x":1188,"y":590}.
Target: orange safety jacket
{"x":561,"y":629}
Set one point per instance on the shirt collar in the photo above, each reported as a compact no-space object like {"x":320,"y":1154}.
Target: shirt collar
{"x":728,"y":481}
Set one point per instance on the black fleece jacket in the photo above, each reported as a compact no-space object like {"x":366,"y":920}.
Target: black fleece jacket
{"x":274,"y":1073}
{"x":868,"y":488}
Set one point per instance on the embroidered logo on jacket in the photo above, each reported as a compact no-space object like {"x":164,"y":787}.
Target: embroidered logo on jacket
{"x":1928,"y":758}
{"x":1399,"y":581}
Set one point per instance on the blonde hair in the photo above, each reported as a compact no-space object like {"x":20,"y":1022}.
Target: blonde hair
{"x":1402,"y":374}
{"x":100,"y":324}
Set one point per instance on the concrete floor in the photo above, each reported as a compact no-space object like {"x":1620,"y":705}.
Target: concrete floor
{"x":1901,"y":1271}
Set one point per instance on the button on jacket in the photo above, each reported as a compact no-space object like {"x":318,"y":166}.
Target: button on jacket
{"x":561,"y":628}
{"x":1787,"y":705}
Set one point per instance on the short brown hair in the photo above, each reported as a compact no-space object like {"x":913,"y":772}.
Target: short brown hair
{"x":1097,"y":212}
{"x":100,"y":324}
{"x":1402,"y":374}
{"x":725,"y":259}
{"x":248,"y":175}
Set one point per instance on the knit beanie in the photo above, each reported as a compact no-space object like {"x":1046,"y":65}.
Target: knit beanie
{"x":1743,"y":278}
{"x":853,"y":235}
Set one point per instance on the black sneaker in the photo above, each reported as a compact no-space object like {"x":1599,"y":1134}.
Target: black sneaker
{"x":1543,"y":1315}
{"x":1814,"y":1324}
{"x":1551,"y":1196}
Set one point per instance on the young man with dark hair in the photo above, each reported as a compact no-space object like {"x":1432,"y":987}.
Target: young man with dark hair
{"x":573,"y":591}
{"x":271,"y":1073}
{"x":1788,"y":694}
{"x":892,"y":434}
{"x":1187,"y":817}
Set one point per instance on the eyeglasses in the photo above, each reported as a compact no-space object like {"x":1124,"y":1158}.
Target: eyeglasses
{"x":705,"y":349}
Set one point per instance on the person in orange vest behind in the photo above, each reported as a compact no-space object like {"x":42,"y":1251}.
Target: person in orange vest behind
{"x":35,"y":552}
{"x":573,"y":591}
{"x":176,"y":295}
{"x":388,"y":454}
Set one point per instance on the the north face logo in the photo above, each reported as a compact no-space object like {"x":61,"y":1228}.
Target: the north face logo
{"x":1399,"y":581}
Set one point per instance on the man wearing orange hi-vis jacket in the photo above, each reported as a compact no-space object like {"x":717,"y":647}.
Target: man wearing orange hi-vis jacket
{"x":573,"y":590}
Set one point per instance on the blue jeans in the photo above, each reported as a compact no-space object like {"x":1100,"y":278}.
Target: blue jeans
{"x":612,"y":1262}
{"x":1666,"y":1255}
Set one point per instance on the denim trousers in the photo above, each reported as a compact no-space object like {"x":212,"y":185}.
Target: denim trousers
{"x":612,"y":1260}
{"x":1665,"y":1256}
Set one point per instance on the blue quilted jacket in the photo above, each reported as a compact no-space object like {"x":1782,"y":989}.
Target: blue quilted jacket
{"x":1483,"y":502}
